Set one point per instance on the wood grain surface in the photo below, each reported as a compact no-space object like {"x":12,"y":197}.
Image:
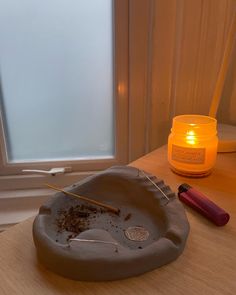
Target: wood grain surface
{"x":207,"y":265}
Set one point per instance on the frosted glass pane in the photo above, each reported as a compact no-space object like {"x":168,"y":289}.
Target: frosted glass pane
{"x":56,"y":69}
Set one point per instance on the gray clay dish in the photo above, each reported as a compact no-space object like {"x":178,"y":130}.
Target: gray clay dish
{"x":150,"y":231}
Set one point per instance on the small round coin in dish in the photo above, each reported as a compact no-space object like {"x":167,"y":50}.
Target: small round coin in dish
{"x":136,"y":233}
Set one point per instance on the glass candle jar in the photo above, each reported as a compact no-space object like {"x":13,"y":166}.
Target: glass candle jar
{"x":192,"y":145}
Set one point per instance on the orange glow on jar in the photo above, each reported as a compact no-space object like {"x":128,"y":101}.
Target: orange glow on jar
{"x":192,"y":145}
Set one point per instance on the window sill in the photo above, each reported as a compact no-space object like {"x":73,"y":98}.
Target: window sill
{"x":18,"y":205}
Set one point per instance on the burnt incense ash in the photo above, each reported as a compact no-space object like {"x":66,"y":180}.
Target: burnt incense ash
{"x":128,"y":216}
{"x":76,"y":219}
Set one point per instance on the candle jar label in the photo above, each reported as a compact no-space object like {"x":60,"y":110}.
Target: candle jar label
{"x":188,"y":155}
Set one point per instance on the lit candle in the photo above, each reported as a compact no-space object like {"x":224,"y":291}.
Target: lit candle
{"x":192,"y":145}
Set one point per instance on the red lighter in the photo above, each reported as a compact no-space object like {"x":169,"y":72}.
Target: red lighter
{"x":202,"y":204}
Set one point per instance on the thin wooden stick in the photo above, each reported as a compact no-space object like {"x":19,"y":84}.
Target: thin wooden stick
{"x":95,"y":241}
{"x":223,"y":68}
{"x":110,"y":208}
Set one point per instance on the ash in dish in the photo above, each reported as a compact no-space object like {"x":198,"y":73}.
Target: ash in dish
{"x":76,"y":219}
{"x":125,"y":228}
{"x":81,"y":217}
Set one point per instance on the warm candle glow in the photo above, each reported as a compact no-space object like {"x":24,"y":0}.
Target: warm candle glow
{"x":192,"y":144}
{"x":191,"y":137}
{"x":121,"y":88}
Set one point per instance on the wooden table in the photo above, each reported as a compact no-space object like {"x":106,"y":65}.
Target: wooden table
{"x":207,"y":265}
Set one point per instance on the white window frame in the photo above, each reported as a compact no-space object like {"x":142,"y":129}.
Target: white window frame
{"x":11,"y":176}
{"x":22,"y":195}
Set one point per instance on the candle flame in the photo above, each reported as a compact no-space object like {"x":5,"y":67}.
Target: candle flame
{"x":191,"y":137}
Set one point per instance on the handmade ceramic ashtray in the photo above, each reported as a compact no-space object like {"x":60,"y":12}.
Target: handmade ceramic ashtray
{"x":83,"y":241}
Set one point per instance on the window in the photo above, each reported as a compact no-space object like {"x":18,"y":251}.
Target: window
{"x":63,"y":88}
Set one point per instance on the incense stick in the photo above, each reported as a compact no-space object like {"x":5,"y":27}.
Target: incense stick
{"x":156,"y":186}
{"x":95,"y":241}
{"x":108,"y":207}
